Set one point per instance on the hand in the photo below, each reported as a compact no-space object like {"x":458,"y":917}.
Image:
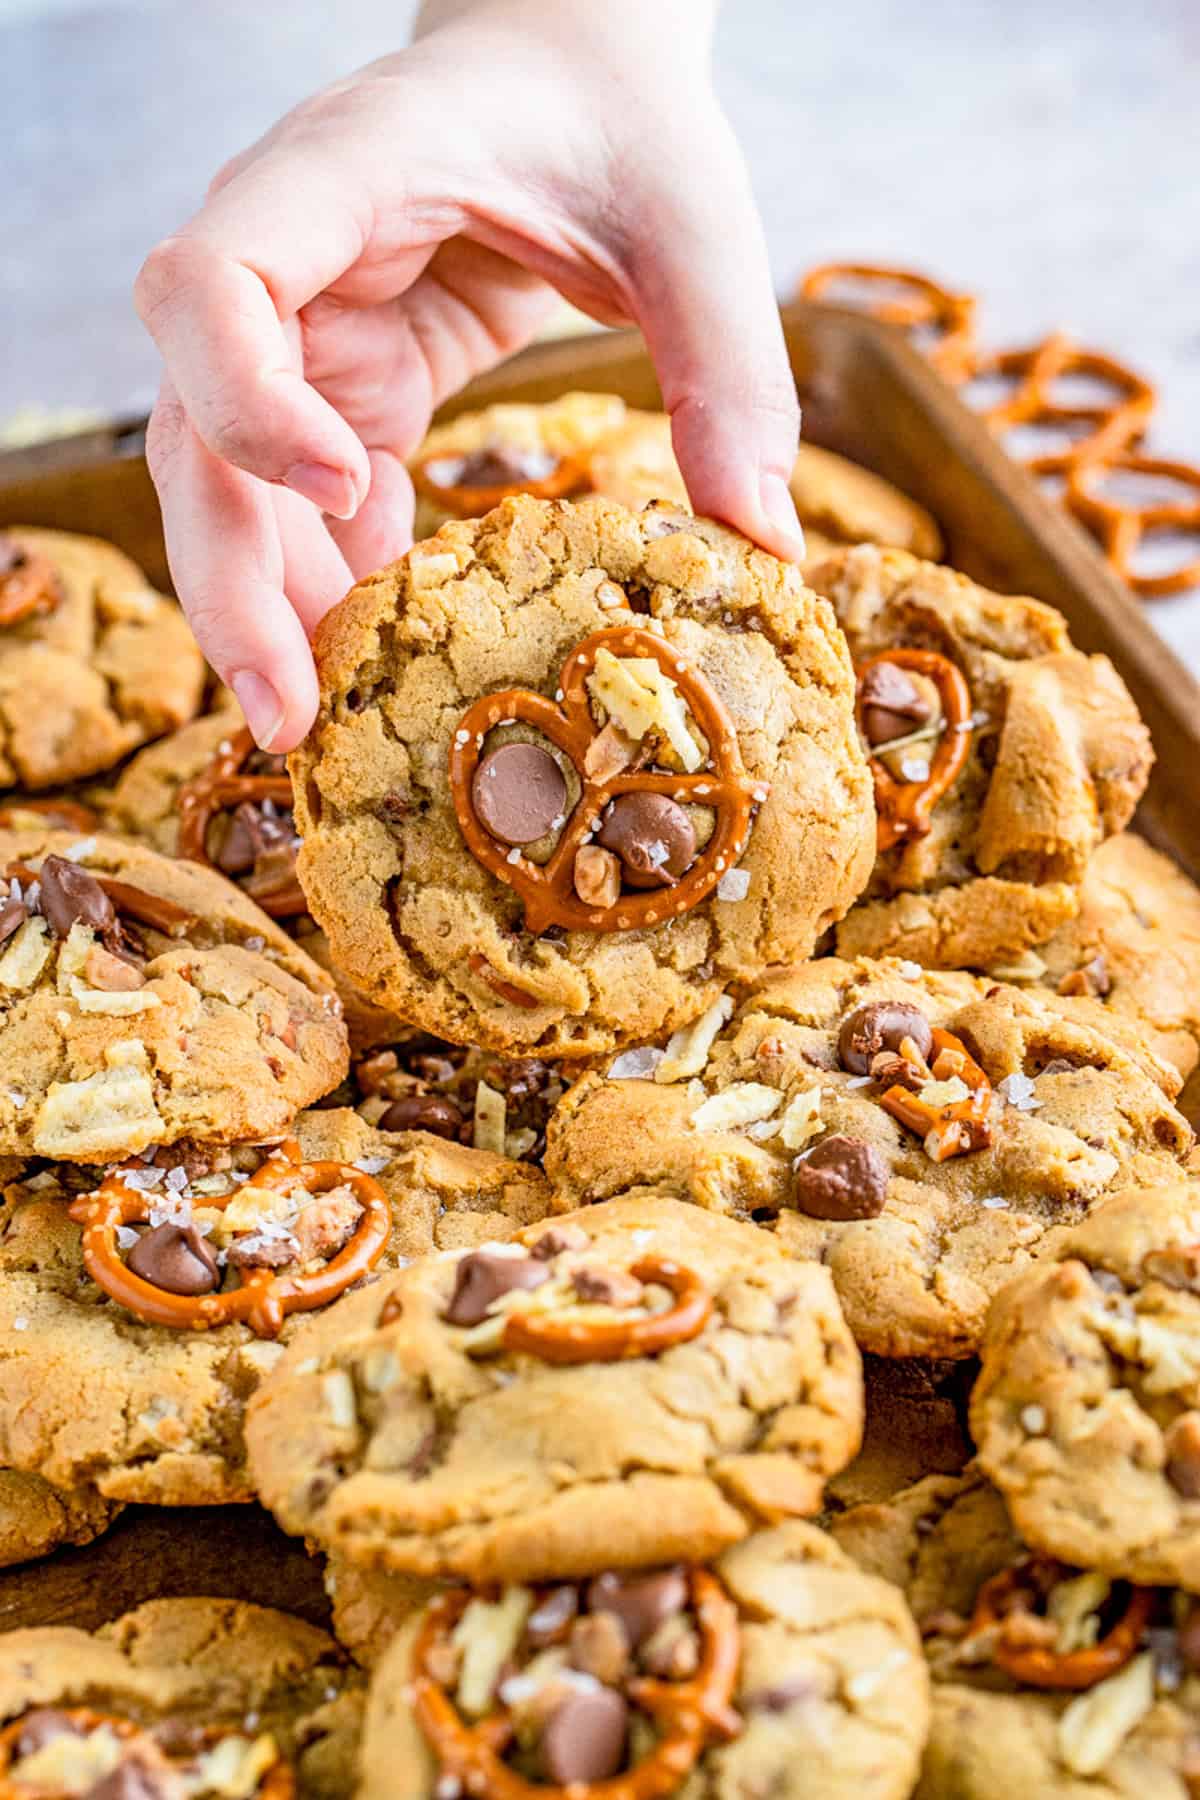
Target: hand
{"x":405,"y":229}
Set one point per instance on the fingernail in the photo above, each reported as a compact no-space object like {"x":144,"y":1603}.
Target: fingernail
{"x":330,"y":489}
{"x":780,"y":509}
{"x":261,"y":704}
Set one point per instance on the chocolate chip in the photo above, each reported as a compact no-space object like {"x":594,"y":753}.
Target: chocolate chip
{"x":557,"y":1239}
{"x":550,"y":1620}
{"x":779,"y":1696}
{"x":481,"y":1279}
{"x":519,"y":792}
{"x":640,"y":1602}
{"x":881,"y":1025}
{"x":175,"y":1258}
{"x":1182,"y":1445}
{"x":132,"y":1779}
{"x":892,"y":704}
{"x":844,"y":1178}
{"x":68,"y":894}
{"x":13,"y":915}
{"x":607,"y":1287}
{"x":423,"y":1112}
{"x":495,"y":465}
{"x":240,"y":844}
{"x":584,"y":1738}
{"x":41,"y":1727}
{"x":653,"y":837}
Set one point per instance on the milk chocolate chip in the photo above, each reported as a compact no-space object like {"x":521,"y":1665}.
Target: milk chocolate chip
{"x":584,"y":1739}
{"x":881,"y":1025}
{"x":177,"y":1259}
{"x":844,"y":1178}
{"x":653,"y":837}
{"x":423,"y":1112}
{"x":519,"y":793}
{"x":892,"y":704}
{"x":69,"y":893}
{"x":640,"y":1602}
{"x":12,"y":917}
{"x":482,"y":1278}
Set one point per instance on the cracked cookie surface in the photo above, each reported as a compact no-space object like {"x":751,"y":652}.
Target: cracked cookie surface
{"x":264,"y":1684}
{"x":89,"y":1393}
{"x":99,"y":665}
{"x":1128,"y":1735}
{"x":169,"y":1007}
{"x":1057,"y":760}
{"x":1087,"y":1410}
{"x":779,"y":1107}
{"x":414,"y":1442}
{"x":419,"y":923}
{"x":830,"y":1694}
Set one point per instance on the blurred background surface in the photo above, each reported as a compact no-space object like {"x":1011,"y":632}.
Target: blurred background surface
{"x":1042,"y":153}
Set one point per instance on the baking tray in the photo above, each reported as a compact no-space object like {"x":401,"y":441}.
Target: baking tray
{"x":865,"y":392}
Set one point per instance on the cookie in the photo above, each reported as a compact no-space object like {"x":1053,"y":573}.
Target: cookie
{"x":780,"y":1670}
{"x":208,"y":793}
{"x":368,"y":1606}
{"x":459,"y":1092}
{"x":204,"y":1698}
{"x":1087,"y":1410}
{"x":144,"y":1001}
{"x":1003,"y":758}
{"x":93,"y":662}
{"x":36,"y":1518}
{"x":120,"y":1366}
{"x":662,"y":628}
{"x":471,"y":463}
{"x":1047,"y":1679}
{"x":827,"y":1108}
{"x":839,"y":501}
{"x":640,"y":1381}
{"x":1135,"y":945}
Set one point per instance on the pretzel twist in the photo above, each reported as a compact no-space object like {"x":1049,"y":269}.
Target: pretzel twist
{"x":1121,"y":527}
{"x":557,"y":1338}
{"x":920,"y":305}
{"x":1113,"y":426}
{"x":690,"y":1714}
{"x":278,"y":1782}
{"x":29,"y":589}
{"x":960,"y":1125}
{"x":463,"y":501}
{"x":1036,"y":1665}
{"x":264,"y":1297}
{"x":220,"y":788}
{"x":905,"y":808}
{"x":548,"y":892}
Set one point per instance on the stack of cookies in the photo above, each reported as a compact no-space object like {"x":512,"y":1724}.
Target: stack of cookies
{"x":650,"y":1144}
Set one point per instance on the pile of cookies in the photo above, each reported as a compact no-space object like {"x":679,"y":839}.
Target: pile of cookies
{"x":655,"y":1143}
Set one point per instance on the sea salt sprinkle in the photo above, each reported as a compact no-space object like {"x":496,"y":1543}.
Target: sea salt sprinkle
{"x":635,"y":1065}
{"x":370,"y":1165}
{"x":1017,"y":1089}
{"x":734,"y":885}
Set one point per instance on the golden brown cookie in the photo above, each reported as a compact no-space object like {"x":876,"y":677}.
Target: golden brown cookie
{"x":143,"y":1001}
{"x":709,"y":711}
{"x":1002,"y":756}
{"x":36,"y":1518}
{"x":639,"y":1381}
{"x":95,"y":1388}
{"x":835,"y":1106}
{"x":93,"y":662}
{"x":200,"y":1698}
{"x":780,"y":1670}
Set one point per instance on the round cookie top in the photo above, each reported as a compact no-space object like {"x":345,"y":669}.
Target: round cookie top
{"x":150,"y":1297}
{"x":1002,"y":759}
{"x":703,"y":801}
{"x":93,"y":662}
{"x":641,"y":1375}
{"x":143,"y":1001}
{"x":1087,"y":1410}
{"x":1047,"y":1676}
{"x":918,"y":1132}
{"x":185,"y":1699}
{"x":781,"y":1669}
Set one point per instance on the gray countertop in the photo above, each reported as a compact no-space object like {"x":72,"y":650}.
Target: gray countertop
{"x":1044,"y":156}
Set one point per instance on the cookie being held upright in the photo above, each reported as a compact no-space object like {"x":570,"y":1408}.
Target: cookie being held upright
{"x":574,"y":771}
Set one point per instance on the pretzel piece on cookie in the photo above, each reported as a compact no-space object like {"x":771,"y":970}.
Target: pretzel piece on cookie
{"x":1036,"y":1665}
{"x":905,"y":808}
{"x":223,"y":787}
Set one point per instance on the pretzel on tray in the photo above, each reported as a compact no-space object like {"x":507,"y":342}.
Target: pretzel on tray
{"x":1113,"y":426}
{"x":222,"y":787}
{"x":1037,"y":1665}
{"x":277,"y":1782}
{"x":908,"y":299}
{"x":905,"y":808}
{"x":558,"y":1338}
{"x":29,"y":585}
{"x":955,"y":1127}
{"x":1121,"y":526}
{"x":264,"y":1297}
{"x":690,"y":1714}
{"x":548,"y":891}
